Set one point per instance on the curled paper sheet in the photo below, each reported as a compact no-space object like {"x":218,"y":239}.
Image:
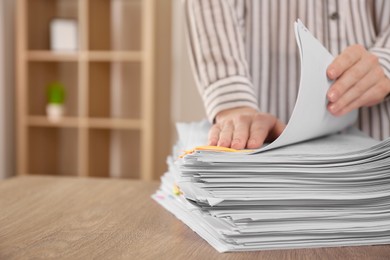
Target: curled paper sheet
{"x":310,"y":118}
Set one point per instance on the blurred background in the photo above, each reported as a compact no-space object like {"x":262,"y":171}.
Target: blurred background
{"x":92,"y":88}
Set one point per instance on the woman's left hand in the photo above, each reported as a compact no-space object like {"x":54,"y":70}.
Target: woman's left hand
{"x":359,"y":81}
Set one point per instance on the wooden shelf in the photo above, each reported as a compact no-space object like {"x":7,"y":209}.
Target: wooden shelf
{"x":114,"y":152}
{"x":135,"y":56}
{"x":45,"y":122}
{"x":109,"y":86}
{"x":98,"y":123}
{"x":115,"y":56}
{"x":105,"y":123}
{"x":53,"y":150}
{"x":52,"y":56}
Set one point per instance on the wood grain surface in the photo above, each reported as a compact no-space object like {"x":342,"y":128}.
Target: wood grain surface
{"x":85,"y":218}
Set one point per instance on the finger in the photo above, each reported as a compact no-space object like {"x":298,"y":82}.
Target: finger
{"x":368,"y":81}
{"x":372,"y":96}
{"x":348,"y":79}
{"x":259,"y":130}
{"x":378,"y":93}
{"x":345,"y":60}
{"x":276,"y":131}
{"x":214,"y":134}
{"x":226,"y":134}
{"x":241,"y":132}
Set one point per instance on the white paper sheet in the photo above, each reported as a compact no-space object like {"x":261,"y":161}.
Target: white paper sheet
{"x":310,"y":118}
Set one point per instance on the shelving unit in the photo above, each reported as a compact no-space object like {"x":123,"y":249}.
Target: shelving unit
{"x":108,"y":127}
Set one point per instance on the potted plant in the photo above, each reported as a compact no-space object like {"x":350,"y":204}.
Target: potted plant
{"x":55,"y":101}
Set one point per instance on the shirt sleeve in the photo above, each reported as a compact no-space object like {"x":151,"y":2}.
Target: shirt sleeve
{"x":377,"y":118}
{"x":381,"y":48}
{"x":217,"y":53}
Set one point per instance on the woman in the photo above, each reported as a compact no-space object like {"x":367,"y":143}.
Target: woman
{"x":247,"y":66}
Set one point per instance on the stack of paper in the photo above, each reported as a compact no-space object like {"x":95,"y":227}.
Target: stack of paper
{"x":328,"y":191}
{"x":303,"y":195}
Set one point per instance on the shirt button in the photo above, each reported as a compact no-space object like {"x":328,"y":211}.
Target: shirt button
{"x":334,"y":16}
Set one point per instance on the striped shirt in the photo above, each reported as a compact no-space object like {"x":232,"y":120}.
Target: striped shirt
{"x":244,"y":51}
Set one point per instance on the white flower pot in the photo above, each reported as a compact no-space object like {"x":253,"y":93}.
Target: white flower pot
{"x":55,"y":112}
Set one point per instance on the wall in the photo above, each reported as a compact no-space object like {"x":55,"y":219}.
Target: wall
{"x":177,"y":99}
{"x":6,"y":88}
{"x":163,"y":125}
{"x":186,"y":102}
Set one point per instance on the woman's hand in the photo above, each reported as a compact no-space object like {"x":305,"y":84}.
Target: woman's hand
{"x":244,"y":127}
{"x":359,"y":81}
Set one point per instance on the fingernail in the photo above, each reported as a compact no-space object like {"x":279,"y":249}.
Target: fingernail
{"x":331,"y":73}
{"x":222,"y":143}
{"x":236,"y":145}
{"x":212,"y":142}
{"x":332,"y":96}
{"x":333,"y":108}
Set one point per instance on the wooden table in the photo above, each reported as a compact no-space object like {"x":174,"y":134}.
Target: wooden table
{"x":79,"y":218}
